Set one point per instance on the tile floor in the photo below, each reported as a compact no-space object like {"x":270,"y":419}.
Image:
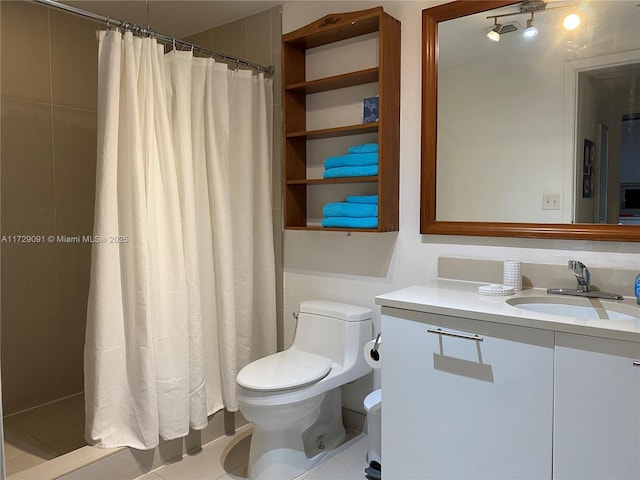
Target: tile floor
{"x":35,"y":436}
{"x":226,"y":459}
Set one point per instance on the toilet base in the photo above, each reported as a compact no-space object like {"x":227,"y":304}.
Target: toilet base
{"x":286,"y":453}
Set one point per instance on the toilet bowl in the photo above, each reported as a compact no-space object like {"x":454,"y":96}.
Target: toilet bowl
{"x":293,"y":397}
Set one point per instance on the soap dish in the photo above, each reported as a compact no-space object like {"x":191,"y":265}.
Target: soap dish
{"x":495,"y":290}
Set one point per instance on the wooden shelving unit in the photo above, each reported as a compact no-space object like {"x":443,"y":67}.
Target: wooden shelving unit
{"x":330,"y":29}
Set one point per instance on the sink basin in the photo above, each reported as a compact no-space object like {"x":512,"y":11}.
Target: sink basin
{"x":584,"y":308}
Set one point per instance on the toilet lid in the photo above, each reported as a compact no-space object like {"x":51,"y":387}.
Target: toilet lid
{"x":284,"y":370}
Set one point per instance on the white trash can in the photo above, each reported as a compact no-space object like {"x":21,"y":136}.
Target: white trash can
{"x":373,"y":407}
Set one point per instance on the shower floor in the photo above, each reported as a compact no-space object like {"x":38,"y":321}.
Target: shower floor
{"x":42,"y":433}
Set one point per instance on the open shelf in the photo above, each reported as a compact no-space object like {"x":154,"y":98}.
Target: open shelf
{"x":351,"y":79}
{"x":329,"y":181}
{"x":327,"y":30}
{"x":336,"y":131}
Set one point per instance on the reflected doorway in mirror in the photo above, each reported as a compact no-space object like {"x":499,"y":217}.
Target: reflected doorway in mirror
{"x":587,"y":169}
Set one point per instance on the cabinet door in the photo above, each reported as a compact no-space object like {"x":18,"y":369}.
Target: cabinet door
{"x":597,"y":409}
{"x":460,"y":408}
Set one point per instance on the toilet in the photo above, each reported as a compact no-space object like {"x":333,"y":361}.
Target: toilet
{"x":293,"y":397}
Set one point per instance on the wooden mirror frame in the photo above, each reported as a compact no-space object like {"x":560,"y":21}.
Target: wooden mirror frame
{"x":428,"y":223}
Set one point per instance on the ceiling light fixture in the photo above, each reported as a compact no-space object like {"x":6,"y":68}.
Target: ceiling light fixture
{"x":531,"y":30}
{"x":494,"y":34}
{"x":529,"y":7}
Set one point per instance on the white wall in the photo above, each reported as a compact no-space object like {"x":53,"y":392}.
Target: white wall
{"x":513,"y":130}
{"x":355,"y":268}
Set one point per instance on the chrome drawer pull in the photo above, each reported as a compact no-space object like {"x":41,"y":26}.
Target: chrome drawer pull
{"x":477,"y":338}
{"x":636,"y":363}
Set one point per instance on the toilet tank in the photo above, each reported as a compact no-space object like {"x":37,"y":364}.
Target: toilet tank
{"x":335,"y":330}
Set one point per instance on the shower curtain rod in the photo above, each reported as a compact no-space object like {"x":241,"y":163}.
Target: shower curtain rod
{"x":137,"y":29}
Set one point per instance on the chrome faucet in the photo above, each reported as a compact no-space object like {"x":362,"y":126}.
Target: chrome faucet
{"x":581,"y":272}
{"x":583,"y":277}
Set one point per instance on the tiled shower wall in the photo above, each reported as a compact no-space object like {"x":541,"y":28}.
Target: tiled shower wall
{"x":48,"y":85}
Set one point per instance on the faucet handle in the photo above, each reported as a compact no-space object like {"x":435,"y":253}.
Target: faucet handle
{"x":581,"y":272}
{"x":575,"y":265}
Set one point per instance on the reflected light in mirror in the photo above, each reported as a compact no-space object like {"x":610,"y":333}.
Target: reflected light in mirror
{"x":531,"y":30}
{"x":571,"y":21}
{"x":494,"y":35}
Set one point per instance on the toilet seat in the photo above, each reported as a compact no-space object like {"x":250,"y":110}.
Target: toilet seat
{"x":284,"y":370}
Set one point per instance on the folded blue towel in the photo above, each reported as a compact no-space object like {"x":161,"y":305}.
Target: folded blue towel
{"x":351,"y":160}
{"x":339,"y":172}
{"x":364,"y":148}
{"x":345,"y":209}
{"x":363,"y":199}
{"x":350,"y":222}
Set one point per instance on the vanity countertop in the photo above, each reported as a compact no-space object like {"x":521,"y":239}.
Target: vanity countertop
{"x":459,"y":298}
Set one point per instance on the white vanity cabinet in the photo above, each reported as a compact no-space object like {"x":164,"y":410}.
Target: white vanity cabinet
{"x":472,"y":401}
{"x":597,"y":408}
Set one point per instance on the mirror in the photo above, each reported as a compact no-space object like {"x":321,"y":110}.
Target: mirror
{"x":534,"y":161}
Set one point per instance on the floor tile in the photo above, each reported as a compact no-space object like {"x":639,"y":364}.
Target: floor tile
{"x":239,"y":473}
{"x":149,"y":476}
{"x":226,"y":459}
{"x":43,"y":433}
{"x":19,"y":441}
{"x":355,"y":452}
{"x":22,"y":462}
{"x":213,"y":461}
{"x":333,"y":469}
{"x":53,"y":421}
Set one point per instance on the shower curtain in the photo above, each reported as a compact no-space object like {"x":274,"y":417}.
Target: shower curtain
{"x":182,"y":291}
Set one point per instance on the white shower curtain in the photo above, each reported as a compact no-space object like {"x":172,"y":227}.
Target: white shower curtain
{"x":182,"y":291}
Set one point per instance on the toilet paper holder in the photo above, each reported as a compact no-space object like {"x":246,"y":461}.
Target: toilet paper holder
{"x":374,"y":351}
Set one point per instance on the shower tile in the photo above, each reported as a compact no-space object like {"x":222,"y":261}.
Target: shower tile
{"x":74,"y":221}
{"x":29,"y":299}
{"x":68,"y":444}
{"x":52,"y":423}
{"x":74,"y":61}
{"x":231,"y":39}
{"x":25,"y":439}
{"x":28,"y":269}
{"x":26,"y":151}
{"x":203,"y":39}
{"x":18,"y":442}
{"x":74,"y":256}
{"x":71,"y":323}
{"x":276,"y":34}
{"x":17,"y":220}
{"x":259,"y":38}
{"x":73,"y":279}
{"x":24,"y":58}
{"x":28,"y":362}
{"x":75,"y":145}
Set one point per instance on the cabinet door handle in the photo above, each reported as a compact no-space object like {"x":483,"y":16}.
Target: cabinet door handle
{"x":439,"y":331}
{"x":636,"y":363}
